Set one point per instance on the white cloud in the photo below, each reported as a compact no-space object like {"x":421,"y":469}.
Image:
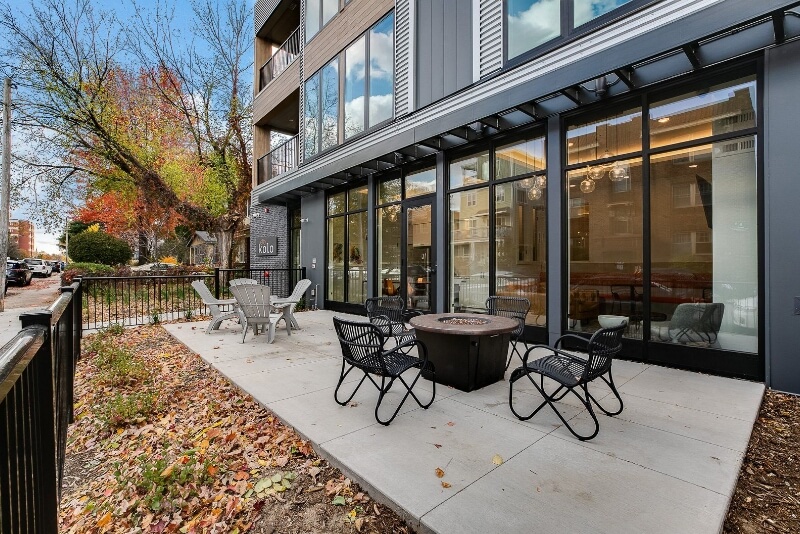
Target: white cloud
{"x":534,"y":26}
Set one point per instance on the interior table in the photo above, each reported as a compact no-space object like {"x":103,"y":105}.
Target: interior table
{"x":468,"y":350}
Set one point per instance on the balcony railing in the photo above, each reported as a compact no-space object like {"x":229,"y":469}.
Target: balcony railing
{"x":283,"y":158}
{"x":280,"y":60}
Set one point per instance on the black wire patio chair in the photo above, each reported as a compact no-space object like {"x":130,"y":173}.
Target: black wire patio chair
{"x":573,"y":373}
{"x":389,"y":314}
{"x":362,"y":348}
{"x":514,"y":308}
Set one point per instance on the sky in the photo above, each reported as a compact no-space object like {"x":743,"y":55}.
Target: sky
{"x":48,"y":242}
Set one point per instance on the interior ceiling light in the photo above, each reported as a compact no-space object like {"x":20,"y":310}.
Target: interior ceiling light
{"x":587,"y":185}
{"x":663,"y":120}
{"x":534,"y":193}
{"x":693,"y":166}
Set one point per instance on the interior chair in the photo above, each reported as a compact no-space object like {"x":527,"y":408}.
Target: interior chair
{"x":362,"y":349}
{"x":215,"y":306}
{"x":287,"y":304}
{"x":691,"y":323}
{"x":255,"y":309}
{"x":514,"y":308}
{"x":389,"y":288}
{"x":389,"y":314}
{"x":572,"y":373}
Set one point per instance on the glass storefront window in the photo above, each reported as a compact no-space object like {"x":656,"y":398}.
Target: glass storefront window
{"x":420,"y":183}
{"x":519,"y":158}
{"x":521,"y":246}
{"x":586,"y":10}
{"x":389,"y":191}
{"x":357,"y":257}
{"x":389,"y":249}
{"x":714,"y":110}
{"x":470,"y":170}
{"x":605,"y":247}
{"x":336,"y":258}
{"x":704,"y":236}
{"x":357,"y":199}
{"x":469,"y":249}
{"x":607,"y":137}
{"x":336,"y":204}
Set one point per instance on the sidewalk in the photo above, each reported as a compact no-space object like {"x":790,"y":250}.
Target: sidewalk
{"x":667,"y":464}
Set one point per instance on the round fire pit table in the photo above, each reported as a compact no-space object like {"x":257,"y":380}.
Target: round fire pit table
{"x":468,"y":350}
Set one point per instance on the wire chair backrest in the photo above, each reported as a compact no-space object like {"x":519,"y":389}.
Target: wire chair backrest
{"x":603,"y":346}
{"x":253,"y":299}
{"x":391,"y":307}
{"x":699,"y":318}
{"x":511,"y":307}
{"x":362,"y":344}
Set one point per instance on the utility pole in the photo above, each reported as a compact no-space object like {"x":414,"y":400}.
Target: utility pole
{"x":5,"y":189}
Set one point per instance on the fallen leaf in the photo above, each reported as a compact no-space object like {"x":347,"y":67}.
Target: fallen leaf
{"x":437,"y":445}
{"x":338,"y":501}
{"x":497,"y":460}
{"x":451,"y":423}
{"x":445,"y":484}
{"x":439,"y":472}
{"x":359,"y":523}
{"x":168,"y":471}
{"x":105,"y":520}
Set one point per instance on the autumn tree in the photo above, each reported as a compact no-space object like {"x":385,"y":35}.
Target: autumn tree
{"x":137,"y":107}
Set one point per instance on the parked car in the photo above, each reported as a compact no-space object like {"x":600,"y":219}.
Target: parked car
{"x":55,"y":266}
{"x":39,"y":267}
{"x":18,"y":273}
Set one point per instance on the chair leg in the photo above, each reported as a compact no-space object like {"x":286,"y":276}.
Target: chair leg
{"x":610,"y":383}
{"x":271,"y":332}
{"x":342,"y":375}
{"x":384,"y":389}
{"x":549,"y":400}
{"x":214,"y":324}
{"x":244,"y":327}
{"x":515,"y":350}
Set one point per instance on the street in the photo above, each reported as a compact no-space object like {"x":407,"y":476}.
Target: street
{"x":40,"y":294}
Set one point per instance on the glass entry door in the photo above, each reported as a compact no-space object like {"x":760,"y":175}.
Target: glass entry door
{"x":418,"y":263}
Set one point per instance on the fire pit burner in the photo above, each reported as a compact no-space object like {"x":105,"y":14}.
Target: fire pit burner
{"x":464,"y":321}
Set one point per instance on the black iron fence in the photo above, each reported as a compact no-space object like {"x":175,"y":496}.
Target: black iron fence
{"x":138,"y":300}
{"x":281,"y":282}
{"x":37,"y":368}
{"x":146,"y":299}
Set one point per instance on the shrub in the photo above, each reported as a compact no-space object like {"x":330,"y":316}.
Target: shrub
{"x":99,"y":247}
{"x":122,"y":410}
{"x":85,"y":269}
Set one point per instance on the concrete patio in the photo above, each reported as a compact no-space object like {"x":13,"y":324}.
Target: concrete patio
{"x":668,"y":463}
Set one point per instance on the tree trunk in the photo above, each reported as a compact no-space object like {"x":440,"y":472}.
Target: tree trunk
{"x":224,"y":245}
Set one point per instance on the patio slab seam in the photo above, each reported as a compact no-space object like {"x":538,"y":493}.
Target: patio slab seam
{"x":742,"y":419}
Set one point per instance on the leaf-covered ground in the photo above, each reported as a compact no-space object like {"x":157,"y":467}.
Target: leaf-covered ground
{"x":162,"y":443}
{"x":767,"y":496}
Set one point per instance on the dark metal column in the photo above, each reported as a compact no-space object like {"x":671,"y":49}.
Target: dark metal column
{"x":440,"y":239}
{"x":556,"y":224}
{"x":372,"y":237}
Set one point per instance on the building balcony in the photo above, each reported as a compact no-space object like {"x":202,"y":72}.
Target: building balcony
{"x":281,"y":159}
{"x":280,"y":60}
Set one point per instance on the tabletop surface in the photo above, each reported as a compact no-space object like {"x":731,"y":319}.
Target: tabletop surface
{"x":458,"y":323}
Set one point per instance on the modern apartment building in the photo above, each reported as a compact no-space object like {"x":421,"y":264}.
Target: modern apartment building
{"x":631,"y":158}
{"x":22,"y":232}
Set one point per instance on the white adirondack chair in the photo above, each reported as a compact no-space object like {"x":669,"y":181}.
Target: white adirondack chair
{"x":255,"y":309}
{"x":214,"y":305}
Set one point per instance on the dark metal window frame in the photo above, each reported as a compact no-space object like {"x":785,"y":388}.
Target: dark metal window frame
{"x":538,"y":333}
{"x":344,"y":306}
{"x":729,"y":362}
{"x":568,"y":32}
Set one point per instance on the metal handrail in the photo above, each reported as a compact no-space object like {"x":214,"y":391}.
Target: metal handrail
{"x":281,"y":159}
{"x":280,"y":60}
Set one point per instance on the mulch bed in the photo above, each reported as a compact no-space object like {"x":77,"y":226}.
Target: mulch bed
{"x":162,"y":443}
{"x":767,"y":496}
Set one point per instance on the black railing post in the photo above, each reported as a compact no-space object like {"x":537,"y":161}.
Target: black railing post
{"x":216,"y":282}
{"x":44,"y":481}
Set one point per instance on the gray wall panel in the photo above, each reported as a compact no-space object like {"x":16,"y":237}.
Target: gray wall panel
{"x":312,"y":237}
{"x":781,"y":191}
{"x":443,"y":49}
